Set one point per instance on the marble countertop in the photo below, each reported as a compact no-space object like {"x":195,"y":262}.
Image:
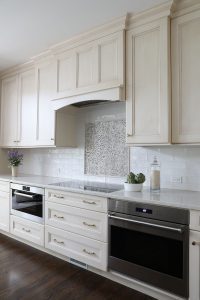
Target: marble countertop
{"x":166,"y":197}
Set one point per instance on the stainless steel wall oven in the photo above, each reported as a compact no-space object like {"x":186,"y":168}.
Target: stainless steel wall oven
{"x":150,"y":243}
{"x":27,"y":202}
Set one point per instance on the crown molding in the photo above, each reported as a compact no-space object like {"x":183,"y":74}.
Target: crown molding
{"x":182,"y":7}
{"x":16,"y":69}
{"x":116,"y":25}
{"x":150,"y":15}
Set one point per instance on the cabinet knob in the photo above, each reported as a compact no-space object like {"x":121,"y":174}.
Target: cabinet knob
{"x":52,"y":139}
{"x":194,"y":243}
{"x":128,"y":134}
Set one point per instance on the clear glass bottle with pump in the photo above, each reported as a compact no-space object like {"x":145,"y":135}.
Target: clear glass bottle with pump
{"x":155,"y":176}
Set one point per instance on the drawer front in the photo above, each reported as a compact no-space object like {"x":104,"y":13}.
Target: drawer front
{"x":27,"y":230}
{"x":88,"y":251}
{"x":88,"y":223}
{"x":78,"y":200}
{"x":195,"y":220}
{"x":4,"y":186}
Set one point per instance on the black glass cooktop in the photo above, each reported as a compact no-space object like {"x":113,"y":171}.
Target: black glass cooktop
{"x":90,"y":186}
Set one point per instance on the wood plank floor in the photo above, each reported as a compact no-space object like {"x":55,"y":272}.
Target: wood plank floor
{"x":26,"y":274}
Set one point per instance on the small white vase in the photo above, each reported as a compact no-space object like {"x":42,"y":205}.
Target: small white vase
{"x":14,"y":171}
{"x":133,"y":187}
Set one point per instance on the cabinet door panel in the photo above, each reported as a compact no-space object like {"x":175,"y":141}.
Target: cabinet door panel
{"x":185,"y":78}
{"x":46,"y":115}
{"x":194,"y":265}
{"x":148,"y":101}
{"x":9,"y":111}
{"x":4,"y":212}
{"x":66,"y":77}
{"x":28,"y":108}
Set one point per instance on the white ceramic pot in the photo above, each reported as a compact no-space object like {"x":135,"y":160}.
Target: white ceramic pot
{"x":14,"y":171}
{"x":133,"y":187}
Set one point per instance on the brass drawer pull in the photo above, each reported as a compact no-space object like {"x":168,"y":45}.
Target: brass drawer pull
{"x":89,"y":202}
{"x":88,"y":252}
{"x":26,"y":230}
{"x":87,"y":224}
{"x":58,"y":217}
{"x":58,"y":242}
{"x":59,"y":197}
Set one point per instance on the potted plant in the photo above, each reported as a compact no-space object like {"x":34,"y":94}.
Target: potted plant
{"x":134,"y":182}
{"x":14,"y":159}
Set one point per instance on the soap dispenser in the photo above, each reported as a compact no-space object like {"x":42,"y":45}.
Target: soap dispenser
{"x":155,"y":175}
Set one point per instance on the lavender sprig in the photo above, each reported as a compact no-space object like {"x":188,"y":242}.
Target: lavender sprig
{"x":15,"y":158}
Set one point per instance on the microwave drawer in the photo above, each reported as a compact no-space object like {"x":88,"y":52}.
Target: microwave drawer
{"x":88,"y":251}
{"x":88,"y":223}
{"x":94,"y":203}
{"x":27,"y":230}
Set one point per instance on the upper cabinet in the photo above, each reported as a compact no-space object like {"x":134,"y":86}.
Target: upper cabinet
{"x":186,"y":78}
{"x":91,"y":66}
{"x":148,"y":83}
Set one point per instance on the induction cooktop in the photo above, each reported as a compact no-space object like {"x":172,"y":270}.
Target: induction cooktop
{"x":89,"y":186}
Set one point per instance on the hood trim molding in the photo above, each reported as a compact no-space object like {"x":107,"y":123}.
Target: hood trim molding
{"x":111,"y":94}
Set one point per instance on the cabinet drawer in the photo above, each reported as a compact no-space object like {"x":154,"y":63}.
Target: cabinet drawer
{"x":88,"y":251}
{"x":195,"y":220}
{"x":4,"y":186}
{"x":85,"y":222}
{"x":78,"y":200}
{"x":27,"y":230}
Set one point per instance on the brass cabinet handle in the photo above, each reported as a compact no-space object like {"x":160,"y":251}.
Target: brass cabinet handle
{"x":89,"y":202}
{"x":87,"y":224}
{"x":194,"y":243}
{"x":58,"y":217}
{"x":58,"y":242}
{"x":88,"y":252}
{"x":26,"y":230}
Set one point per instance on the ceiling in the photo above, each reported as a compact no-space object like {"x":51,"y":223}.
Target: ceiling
{"x":28,"y":27}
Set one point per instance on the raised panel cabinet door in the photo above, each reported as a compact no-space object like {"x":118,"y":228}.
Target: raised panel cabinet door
{"x":46,"y":85}
{"x":111,"y":59}
{"x":28,"y":108}
{"x":194,"y":265}
{"x":186,"y":78}
{"x":66,"y":73}
{"x":9,"y":111}
{"x":86,"y":66}
{"x":147,"y":87}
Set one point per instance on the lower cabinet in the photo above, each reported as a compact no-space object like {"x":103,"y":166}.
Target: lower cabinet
{"x":27,"y":230}
{"x":194,"y":265}
{"x":4,"y":205}
{"x":86,"y":250}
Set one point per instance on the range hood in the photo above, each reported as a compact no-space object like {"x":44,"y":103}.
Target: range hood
{"x":107,"y":95}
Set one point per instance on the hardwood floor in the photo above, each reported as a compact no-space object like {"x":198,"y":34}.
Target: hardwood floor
{"x":26,"y":274}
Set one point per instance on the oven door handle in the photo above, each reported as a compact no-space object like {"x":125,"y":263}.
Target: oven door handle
{"x":147,"y":224}
{"x":24,"y":195}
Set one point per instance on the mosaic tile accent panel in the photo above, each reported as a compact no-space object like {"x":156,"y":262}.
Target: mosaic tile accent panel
{"x":105,"y":150}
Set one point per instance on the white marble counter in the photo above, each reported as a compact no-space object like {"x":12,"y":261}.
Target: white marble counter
{"x":166,"y":197}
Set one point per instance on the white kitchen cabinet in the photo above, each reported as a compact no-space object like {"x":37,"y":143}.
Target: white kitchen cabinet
{"x":194,"y":265}
{"x":147,"y":83}
{"x":9,"y":111}
{"x":185,"y":78}
{"x":27,"y":121}
{"x":19,"y":110}
{"x":90,"y":67}
{"x":4,"y":204}
{"x":86,"y":250}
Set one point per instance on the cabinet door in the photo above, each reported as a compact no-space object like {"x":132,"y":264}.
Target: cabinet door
{"x":46,"y":73}
{"x":185,"y":78}
{"x":28,"y":109}
{"x":194,"y":265}
{"x":9,"y":111}
{"x":4,"y":211}
{"x":147,"y":89}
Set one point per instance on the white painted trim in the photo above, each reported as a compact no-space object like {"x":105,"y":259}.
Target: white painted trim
{"x":182,"y":7}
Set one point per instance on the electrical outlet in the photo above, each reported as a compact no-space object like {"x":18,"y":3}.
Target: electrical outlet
{"x":177,"y":179}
